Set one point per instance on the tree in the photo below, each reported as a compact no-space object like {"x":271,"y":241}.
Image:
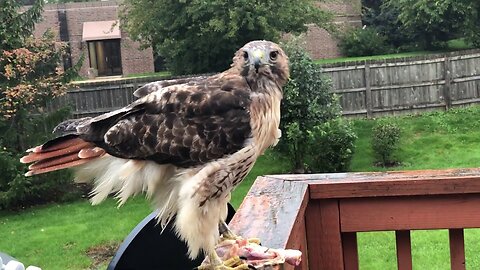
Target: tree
{"x":472,"y":25}
{"x":201,"y":36}
{"x":29,"y":67}
{"x":385,"y":21}
{"x":16,"y":26}
{"x":435,"y":22}
{"x":29,"y":77}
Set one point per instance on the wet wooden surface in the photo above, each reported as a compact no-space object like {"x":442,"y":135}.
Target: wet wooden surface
{"x":401,"y":183}
{"x":320,"y":214}
{"x":270,"y":211}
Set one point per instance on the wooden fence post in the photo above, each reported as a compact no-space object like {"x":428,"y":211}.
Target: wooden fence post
{"x":368,"y":91}
{"x":448,"y":82}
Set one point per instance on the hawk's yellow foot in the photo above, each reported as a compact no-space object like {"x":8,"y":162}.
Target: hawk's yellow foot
{"x":234,"y":263}
{"x":254,"y":240}
{"x":228,"y":234}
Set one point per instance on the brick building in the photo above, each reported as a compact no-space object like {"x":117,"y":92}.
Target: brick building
{"x":320,"y":43}
{"x":92,"y":30}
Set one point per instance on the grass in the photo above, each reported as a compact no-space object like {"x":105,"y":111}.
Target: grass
{"x":372,"y":57}
{"x":58,"y":236}
{"x":159,"y":75}
{"x":459,"y":44}
{"x":149,"y":74}
{"x":430,"y":250}
{"x":434,"y":140}
{"x":452,"y":45}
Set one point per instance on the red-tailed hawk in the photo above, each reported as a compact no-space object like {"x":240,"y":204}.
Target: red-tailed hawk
{"x":186,"y":144}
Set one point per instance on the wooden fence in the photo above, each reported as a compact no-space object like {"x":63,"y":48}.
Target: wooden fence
{"x":97,"y":97}
{"x":321,"y":214}
{"x":375,"y":88}
{"x":367,"y":88}
{"x":94,"y":98}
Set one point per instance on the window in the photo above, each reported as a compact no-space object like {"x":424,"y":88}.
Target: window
{"x":104,"y":56}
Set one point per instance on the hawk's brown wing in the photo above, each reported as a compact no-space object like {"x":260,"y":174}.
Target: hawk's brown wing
{"x":187,"y":124}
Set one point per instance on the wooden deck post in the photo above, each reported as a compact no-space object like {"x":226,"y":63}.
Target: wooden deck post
{"x":404,"y":250}
{"x":350,"y":250}
{"x":323,"y":235}
{"x":457,"y":249}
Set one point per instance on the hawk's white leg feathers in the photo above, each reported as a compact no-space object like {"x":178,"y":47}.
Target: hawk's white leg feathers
{"x":128,"y":178}
{"x":172,"y":190}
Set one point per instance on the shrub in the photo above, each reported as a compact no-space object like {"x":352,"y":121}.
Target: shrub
{"x":333,"y":145}
{"x":363,"y":42}
{"x":385,"y":140}
{"x":16,"y":190}
{"x":307,"y":103}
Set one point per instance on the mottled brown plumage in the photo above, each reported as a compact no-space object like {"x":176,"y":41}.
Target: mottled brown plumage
{"x":186,"y":143}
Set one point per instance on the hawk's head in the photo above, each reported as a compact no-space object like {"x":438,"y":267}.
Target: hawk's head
{"x":262,"y":58}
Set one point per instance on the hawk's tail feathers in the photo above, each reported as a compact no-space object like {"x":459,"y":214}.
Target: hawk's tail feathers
{"x":60,"y":153}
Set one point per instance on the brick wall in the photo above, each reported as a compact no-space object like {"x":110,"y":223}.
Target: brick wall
{"x":134,"y":60}
{"x":322,"y":44}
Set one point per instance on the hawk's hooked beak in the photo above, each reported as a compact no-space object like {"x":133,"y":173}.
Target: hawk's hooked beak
{"x":257,"y":59}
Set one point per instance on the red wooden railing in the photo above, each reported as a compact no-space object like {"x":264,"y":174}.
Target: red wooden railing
{"x":321,"y":214}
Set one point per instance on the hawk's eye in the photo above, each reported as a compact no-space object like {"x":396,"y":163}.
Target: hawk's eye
{"x":245,"y":56}
{"x":273,"y":56}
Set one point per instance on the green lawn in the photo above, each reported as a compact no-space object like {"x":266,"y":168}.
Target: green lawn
{"x":149,"y":74}
{"x":452,"y":45}
{"x":430,"y":141}
{"x":372,"y":57}
{"x":58,"y":236}
{"x":159,"y":75}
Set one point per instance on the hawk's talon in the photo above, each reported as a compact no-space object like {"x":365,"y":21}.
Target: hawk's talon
{"x":229,"y":235}
{"x":234,"y":263}
{"x":215,"y":263}
{"x":254,"y":240}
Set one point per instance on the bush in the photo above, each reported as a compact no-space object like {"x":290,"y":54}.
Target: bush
{"x":307,"y":102}
{"x":16,"y":190}
{"x":363,"y":42}
{"x":333,"y":145}
{"x":385,"y":140}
